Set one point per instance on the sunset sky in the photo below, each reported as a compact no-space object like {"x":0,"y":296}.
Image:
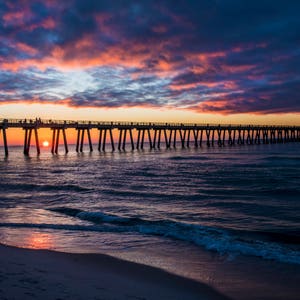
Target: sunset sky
{"x":199,"y":61}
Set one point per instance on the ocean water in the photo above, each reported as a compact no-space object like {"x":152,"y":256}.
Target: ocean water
{"x":189,"y":211}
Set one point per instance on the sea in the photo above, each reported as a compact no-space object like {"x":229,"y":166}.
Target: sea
{"x":226,"y":216}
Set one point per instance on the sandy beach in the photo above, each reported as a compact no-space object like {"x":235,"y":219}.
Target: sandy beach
{"x":43,"y":274}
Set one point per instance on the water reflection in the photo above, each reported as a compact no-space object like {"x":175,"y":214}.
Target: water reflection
{"x":38,"y":240}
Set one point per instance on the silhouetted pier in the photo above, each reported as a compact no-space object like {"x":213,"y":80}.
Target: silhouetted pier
{"x":156,"y":135}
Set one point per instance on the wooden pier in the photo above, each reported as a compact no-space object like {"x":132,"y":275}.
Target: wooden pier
{"x":156,"y":135}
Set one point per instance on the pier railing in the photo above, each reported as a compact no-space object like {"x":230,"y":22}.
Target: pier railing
{"x":156,"y":133}
{"x":50,"y":122}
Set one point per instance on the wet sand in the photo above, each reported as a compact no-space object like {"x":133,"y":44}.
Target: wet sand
{"x":43,"y":274}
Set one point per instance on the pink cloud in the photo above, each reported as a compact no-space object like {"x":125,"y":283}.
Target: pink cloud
{"x":25,"y":48}
{"x":15,"y":17}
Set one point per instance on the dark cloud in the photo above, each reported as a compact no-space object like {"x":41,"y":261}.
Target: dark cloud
{"x":103,"y":87}
{"x":211,"y":55}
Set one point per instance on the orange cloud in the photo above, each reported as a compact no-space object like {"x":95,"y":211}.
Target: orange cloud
{"x":180,"y":87}
{"x":25,"y":48}
{"x":16,"y":18}
{"x":48,"y":23}
{"x":237,"y":69}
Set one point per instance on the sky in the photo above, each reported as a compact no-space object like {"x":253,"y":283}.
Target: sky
{"x":199,"y":61}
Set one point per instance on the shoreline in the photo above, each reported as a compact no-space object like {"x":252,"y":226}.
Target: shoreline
{"x":45,"y":274}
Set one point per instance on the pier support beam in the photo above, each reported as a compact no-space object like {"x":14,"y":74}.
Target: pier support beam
{"x":213,"y":137}
{"x":279,"y":136}
{"x":273,"y":136}
{"x":124,"y":139}
{"x":80,"y":139}
{"x":234,"y":135}
{"x":27,"y":140}
{"x":174,"y":138}
{"x":182,"y":134}
{"x":249,"y":140}
{"x":37,"y":144}
{"x":154,"y":138}
{"x":65,"y":140}
{"x":149,"y":138}
{"x":138,"y":139}
{"x":230,"y":139}
{"x":120,"y":139}
{"x":188,"y":138}
{"x":90,"y":140}
{"x":208,"y":137}
{"x":100,"y":139}
{"x":111,"y":140}
{"x":143,"y":138}
{"x":169,"y":134}
{"x":240,"y":139}
{"x":159,"y":138}
{"x":220,"y":141}
{"x":257,"y":137}
{"x":201,"y":138}
{"x":196,"y":134}
{"x":286,"y":136}
{"x":131,"y":139}
{"x":167,"y":141}
{"x":55,"y":140}
{"x":4,"y":141}
{"x":293,"y":135}
{"x":265,"y":136}
{"x":77,"y":140}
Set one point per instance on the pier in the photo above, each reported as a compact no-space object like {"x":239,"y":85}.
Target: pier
{"x":155,"y":135}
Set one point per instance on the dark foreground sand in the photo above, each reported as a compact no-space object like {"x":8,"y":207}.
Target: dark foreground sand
{"x":40,"y":274}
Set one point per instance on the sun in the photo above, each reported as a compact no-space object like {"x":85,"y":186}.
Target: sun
{"x":45,"y":144}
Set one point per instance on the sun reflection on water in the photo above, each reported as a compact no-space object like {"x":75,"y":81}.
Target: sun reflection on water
{"x":39,"y":240}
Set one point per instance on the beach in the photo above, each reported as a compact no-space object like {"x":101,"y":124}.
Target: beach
{"x":43,"y":274}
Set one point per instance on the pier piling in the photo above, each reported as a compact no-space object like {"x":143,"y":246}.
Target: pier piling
{"x":131,"y":139}
{"x":111,"y":140}
{"x":65,"y":141}
{"x":27,"y":139}
{"x":55,"y":139}
{"x":4,"y":140}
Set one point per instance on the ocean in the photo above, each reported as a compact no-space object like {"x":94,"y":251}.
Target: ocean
{"x":227,"y":216}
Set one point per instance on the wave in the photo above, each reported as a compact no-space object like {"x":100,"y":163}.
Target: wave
{"x":185,"y":158}
{"x":96,"y":217}
{"x":279,"y":158}
{"x":268,"y":245}
{"x":295,"y":191}
{"x":54,"y":226}
{"x":43,"y":187}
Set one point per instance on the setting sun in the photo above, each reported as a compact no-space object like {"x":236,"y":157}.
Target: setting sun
{"x":45,"y":144}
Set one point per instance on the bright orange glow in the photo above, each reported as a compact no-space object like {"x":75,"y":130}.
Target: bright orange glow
{"x":45,"y":144}
{"x":40,"y":241}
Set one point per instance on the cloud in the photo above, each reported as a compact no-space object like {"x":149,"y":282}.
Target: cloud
{"x":208,"y":56}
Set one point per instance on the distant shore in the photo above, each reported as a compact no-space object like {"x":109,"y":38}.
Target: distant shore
{"x":43,"y":274}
